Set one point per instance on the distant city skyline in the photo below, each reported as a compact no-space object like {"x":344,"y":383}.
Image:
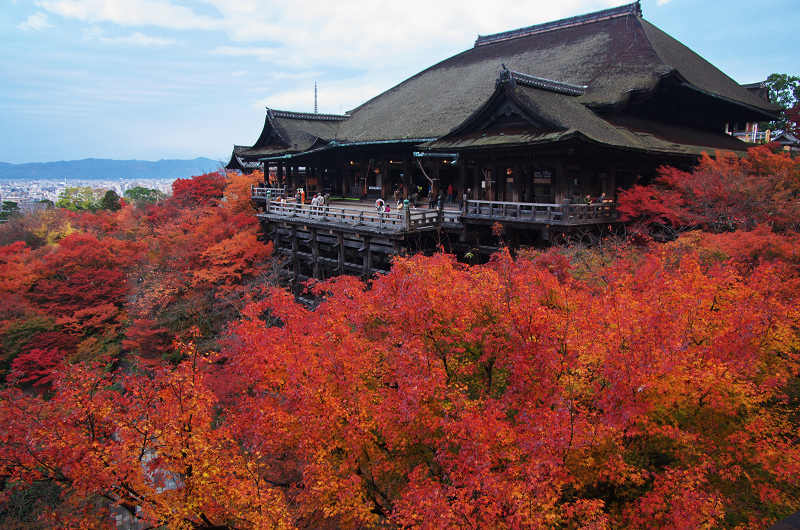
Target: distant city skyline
{"x":163,"y":79}
{"x":48,"y":189}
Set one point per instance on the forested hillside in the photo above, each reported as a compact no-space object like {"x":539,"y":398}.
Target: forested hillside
{"x":98,"y":168}
{"x":155,"y":366}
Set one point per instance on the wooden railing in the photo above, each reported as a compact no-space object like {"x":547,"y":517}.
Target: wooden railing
{"x":403,"y":220}
{"x":563,"y":214}
{"x":419,"y":219}
{"x":263,"y":193}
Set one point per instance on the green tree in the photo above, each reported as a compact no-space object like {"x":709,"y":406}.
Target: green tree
{"x":8,"y":208}
{"x":110,"y":201}
{"x":79,"y":198}
{"x":142,"y":195}
{"x":784,"y":90}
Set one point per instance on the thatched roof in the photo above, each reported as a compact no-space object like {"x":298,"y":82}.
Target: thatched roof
{"x":609,"y":59}
{"x":613,"y":53}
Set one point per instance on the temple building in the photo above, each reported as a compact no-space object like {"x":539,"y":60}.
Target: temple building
{"x":542,"y":115}
{"x":578,"y":106}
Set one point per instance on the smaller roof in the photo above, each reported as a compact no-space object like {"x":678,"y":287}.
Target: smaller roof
{"x":790,"y":523}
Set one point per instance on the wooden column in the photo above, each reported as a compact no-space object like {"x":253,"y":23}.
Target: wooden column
{"x":462,"y":181}
{"x":367,"y":257}
{"x":295,"y":263}
{"x":386,"y":191}
{"x":363,"y":182}
{"x":559,"y":181}
{"x":340,"y":244}
{"x":437,"y":180}
{"x":498,"y":181}
{"x":477,"y":178}
{"x":315,"y":267}
{"x":407,"y":169}
{"x":517,"y":197}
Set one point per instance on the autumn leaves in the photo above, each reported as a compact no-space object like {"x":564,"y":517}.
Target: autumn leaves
{"x":637,"y":387}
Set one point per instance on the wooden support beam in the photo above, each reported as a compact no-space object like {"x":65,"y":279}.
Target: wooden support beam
{"x":367,"y":258}
{"x":341,"y":253}
{"x":295,"y":263}
{"x":315,"y":254}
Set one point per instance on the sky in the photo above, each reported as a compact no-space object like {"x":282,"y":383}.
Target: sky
{"x":162,"y":79}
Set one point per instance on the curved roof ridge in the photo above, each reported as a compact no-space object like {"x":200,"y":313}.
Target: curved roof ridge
{"x":541,"y":83}
{"x":306,"y":115}
{"x":625,"y":10}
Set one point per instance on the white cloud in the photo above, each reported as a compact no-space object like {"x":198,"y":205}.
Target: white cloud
{"x":37,"y":21}
{"x":346,"y":33}
{"x":140,"y":39}
{"x":662,"y":2}
{"x":136,"y":38}
{"x":237,"y":51}
{"x":160,"y":13}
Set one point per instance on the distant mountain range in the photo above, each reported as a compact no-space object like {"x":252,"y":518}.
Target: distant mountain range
{"x":103,"y":169}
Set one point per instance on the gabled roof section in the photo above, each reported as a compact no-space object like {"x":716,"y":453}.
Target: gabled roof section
{"x":285,"y":133}
{"x":239,"y":162}
{"x":523,"y":115}
{"x":297,"y":131}
{"x":699,"y":73}
{"x":504,"y":110}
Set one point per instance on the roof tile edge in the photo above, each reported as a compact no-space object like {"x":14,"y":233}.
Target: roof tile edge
{"x":542,"y":83}
{"x":307,"y":115}
{"x":634,"y":8}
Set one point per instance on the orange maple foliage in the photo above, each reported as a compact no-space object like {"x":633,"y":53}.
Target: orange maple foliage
{"x":505,"y":397}
{"x":721,"y":194}
{"x":509,"y":395}
{"x":145,"y":443}
{"x":653,"y":388}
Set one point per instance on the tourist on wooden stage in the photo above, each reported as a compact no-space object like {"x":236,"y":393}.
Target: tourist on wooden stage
{"x":586,"y":200}
{"x":450,"y":193}
{"x":298,"y":197}
{"x":380,"y":204}
{"x":601,"y":198}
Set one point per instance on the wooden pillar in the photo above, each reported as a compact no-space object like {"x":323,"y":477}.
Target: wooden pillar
{"x":363,"y":182}
{"x":559,"y":181}
{"x":477,"y":178}
{"x":386,"y":190}
{"x":276,"y":238}
{"x":407,"y":169}
{"x":462,"y":180}
{"x":295,"y":263}
{"x":340,"y":244}
{"x":315,"y":267}
{"x":517,"y":196}
{"x":498,"y":180}
{"x":437,"y":180}
{"x":367,"y":257}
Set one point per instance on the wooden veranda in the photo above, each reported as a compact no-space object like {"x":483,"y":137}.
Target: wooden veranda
{"x":353,"y":237}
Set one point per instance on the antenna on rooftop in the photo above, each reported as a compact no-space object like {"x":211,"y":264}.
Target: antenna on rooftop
{"x":315,"y":97}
